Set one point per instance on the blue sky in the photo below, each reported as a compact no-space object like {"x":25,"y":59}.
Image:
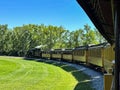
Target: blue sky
{"x":66,"y":13}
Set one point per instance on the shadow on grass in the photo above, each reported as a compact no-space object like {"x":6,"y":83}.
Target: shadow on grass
{"x":83,"y":79}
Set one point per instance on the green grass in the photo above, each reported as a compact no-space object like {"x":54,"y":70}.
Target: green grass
{"x":19,"y":74}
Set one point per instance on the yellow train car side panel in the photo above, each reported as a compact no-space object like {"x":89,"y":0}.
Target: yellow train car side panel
{"x":95,"y":61}
{"x":67,"y":57}
{"x":43,"y":55}
{"x":46,"y":55}
{"x":95,"y":56}
{"x":79,"y":58}
{"x":109,"y":56}
{"x":56,"y":55}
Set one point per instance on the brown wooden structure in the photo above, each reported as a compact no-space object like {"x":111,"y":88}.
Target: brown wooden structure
{"x":105,"y":14}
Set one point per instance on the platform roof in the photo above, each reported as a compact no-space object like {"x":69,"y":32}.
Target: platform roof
{"x":100,"y":13}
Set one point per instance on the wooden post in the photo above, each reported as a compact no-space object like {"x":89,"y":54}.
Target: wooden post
{"x":102,"y":56}
{"x":107,"y":81}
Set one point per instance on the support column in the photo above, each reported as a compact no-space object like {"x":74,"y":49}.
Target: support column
{"x":117,"y":42}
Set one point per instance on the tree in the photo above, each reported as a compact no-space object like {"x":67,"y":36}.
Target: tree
{"x":99,"y":37}
{"x":3,"y":35}
{"x":89,"y":35}
{"x":20,"y":39}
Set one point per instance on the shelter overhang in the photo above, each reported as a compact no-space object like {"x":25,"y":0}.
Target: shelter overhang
{"x":100,"y":13}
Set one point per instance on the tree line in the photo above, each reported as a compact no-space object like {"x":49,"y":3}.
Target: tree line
{"x":19,"y":40}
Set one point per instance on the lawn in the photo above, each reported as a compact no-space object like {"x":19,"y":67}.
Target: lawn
{"x":19,"y":74}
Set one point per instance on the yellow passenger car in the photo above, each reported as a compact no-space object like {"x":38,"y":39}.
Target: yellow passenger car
{"x":79,"y":54}
{"x":56,"y":54}
{"x":95,"y":55}
{"x":67,"y":55}
{"x":46,"y":54}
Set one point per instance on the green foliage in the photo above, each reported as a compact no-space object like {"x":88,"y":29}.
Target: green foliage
{"x":20,"y":39}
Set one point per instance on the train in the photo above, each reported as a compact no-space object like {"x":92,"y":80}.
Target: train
{"x":98,"y":56}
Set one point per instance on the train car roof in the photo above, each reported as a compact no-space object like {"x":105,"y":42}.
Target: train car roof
{"x":68,"y":49}
{"x":98,"y":45}
{"x":56,"y":50}
{"x":100,"y":13}
{"x":80,"y":47}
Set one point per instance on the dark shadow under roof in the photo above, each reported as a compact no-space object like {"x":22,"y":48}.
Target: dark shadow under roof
{"x":100,"y":13}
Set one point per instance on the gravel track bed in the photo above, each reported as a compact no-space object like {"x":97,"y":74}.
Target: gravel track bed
{"x":96,"y":77}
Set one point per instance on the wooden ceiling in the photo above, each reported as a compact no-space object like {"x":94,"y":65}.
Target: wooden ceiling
{"x":100,"y":13}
